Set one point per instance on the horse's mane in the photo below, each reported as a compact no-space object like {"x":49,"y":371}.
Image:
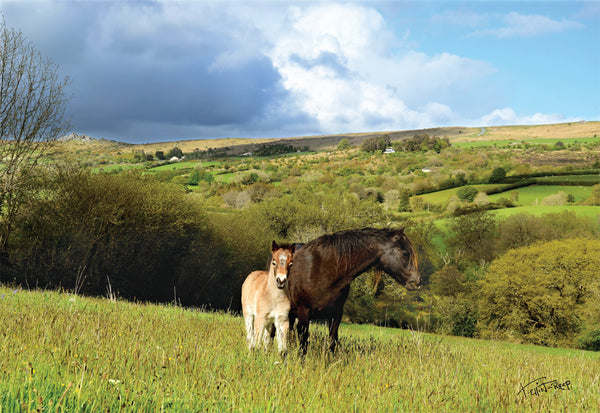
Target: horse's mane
{"x":343,"y":243}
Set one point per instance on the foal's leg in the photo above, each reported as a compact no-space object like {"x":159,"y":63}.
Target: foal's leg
{"x":265,"y":333}
{"x":259,"y":329}
{"x":282,"y":326}
{"x":250,"y":334}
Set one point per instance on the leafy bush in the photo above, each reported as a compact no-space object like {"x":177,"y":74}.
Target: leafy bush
{"x":175,"y":152}
{"x":590,"y":340}
{"x":467,"y":193}
{"x":543,"y":294}
{"x":498,"y":175}
{"x":316,"y":215}
{"x":343,"y":145}
{"x":473,"y":236}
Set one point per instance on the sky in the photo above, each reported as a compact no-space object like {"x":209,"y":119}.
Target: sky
{"x":158,"y":70}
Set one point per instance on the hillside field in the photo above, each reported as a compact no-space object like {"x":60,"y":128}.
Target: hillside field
{"x":61,"y":353}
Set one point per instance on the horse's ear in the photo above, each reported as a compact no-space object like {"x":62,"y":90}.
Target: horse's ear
{"x":398,"y":235}
{"x":274,"y":246}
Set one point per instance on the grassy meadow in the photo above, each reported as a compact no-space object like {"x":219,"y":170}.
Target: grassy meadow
{"x":63,"y":353}
{"x":535,"y":194}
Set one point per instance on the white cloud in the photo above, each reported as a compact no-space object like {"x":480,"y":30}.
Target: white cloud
{"x":460,"y":18}
{"x":520,"y":25}
{"x":344,"y":67}
{"x":507,"y":116}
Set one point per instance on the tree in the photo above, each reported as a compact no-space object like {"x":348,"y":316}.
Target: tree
{"x":545,"y":294}
{"x":375,"y":144}
{"x":467,"y":193}
{"x":497,"y":176}
{"x":343,"y":145}
{"x":32,"y":104}
{"x":175,"y":152}
{"x":474,"y":236}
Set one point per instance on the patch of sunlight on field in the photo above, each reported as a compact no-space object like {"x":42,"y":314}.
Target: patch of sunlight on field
{"x":60,"y":352}
{"x":584,"y":211}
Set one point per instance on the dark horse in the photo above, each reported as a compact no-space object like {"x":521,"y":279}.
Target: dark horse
{"x":319,"y":281}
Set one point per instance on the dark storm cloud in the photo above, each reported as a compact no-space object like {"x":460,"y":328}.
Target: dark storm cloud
{"x":123,"y":89}
{"x":136,"y":68}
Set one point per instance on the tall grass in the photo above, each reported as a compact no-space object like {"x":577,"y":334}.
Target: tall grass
{"x":60,"y":352}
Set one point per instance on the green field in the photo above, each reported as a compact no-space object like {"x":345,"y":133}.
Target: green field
{"x":535,"y":194}
{"x":117,"y":167}
{"x":530,"y":195}
{"x":177,"y":166}
{"x":65,"y":353}
{"x":591,"y":179}
{"x":441,"y":197}
{"x":582,"y":211}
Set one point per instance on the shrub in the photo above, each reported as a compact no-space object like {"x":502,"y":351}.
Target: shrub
{"x":175,"y":152}
{"x":343,"y":145}
{"x":474,"y":236}
{"x":543,"y":294}
{"x":590,"y":340}
{"x":467,"y":193}
{"x":498,"y":175}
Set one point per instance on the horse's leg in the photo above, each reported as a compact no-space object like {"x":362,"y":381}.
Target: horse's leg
{"x":282,"y":327}
{"x":259,"y":329}
{"x":302,"y":328}
{"x":267,"y":332}
{"x":336,"y":319}
{"x":334,"y":324}
{"x":250,"y":335}
{"x":292,"y":320}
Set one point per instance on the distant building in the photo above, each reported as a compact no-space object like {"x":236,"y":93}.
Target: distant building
{"x":426,"y":170}
{"x":389,"y":150}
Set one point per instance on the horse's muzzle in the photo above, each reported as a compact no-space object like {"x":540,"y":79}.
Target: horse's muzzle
{"x":280,"y":283}
{"x":412,"y":286}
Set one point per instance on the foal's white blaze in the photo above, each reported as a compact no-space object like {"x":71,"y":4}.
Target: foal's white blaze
{"x":282,"y":269}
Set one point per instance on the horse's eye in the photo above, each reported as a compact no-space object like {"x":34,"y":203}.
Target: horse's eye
{"x":290,"y":264}
{"x":274,"y":263}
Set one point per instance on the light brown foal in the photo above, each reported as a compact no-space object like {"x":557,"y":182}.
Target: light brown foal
{"x":265,"y":300}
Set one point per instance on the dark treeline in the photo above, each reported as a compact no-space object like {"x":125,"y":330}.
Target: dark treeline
{"x":422,"y":142}
{"x":87,"y":232}
{"x":277,"y":149}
